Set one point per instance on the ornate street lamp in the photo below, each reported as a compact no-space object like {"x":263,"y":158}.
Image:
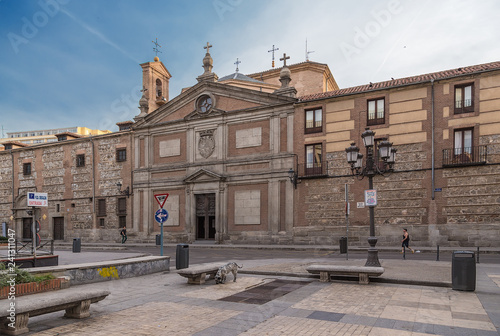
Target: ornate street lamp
{"x":355,"y":159}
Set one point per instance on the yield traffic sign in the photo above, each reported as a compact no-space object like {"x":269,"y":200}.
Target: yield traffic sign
{"x":161,"y":199}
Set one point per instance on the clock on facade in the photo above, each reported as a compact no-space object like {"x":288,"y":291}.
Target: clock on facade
{"x":204,"y":104}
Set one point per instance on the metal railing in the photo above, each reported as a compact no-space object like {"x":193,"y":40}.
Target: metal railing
{"x":466,"y":156}
{"x":313,"y":169}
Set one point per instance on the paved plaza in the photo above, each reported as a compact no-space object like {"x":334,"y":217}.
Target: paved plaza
{"x":267,"y":300}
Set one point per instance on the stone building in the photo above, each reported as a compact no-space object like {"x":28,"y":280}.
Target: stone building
{"x":226,"y":150}
{"x":446,"y":129}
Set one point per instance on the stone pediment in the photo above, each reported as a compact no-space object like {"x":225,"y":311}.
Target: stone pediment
{"x":207,"y":100}
{"x":203,"y":175}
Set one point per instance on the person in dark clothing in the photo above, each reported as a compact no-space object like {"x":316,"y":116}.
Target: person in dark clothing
{"x":406,"y":242}
{"x":123,"y":233}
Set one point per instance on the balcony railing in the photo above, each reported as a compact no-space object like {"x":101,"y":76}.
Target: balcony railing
{"x":467,"y":156}
{"x":313,"y":169}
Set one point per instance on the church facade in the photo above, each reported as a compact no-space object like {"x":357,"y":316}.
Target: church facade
{"x":260,"y":159}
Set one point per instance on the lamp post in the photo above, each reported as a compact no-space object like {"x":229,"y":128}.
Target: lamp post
{"x":355,"y":159}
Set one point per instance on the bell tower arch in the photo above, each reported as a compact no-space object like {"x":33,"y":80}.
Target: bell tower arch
{"x":155,"y":78}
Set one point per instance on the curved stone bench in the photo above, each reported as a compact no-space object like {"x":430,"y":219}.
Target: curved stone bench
{"x":196,"y":275}
{"x":363,"y":272}
{"x":76,"y":302}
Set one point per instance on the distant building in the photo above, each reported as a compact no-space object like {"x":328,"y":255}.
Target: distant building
{"x":48,"y":135}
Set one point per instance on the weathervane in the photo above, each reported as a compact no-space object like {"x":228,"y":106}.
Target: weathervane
{"x":273,"y":50}
{"x":155,"y":49}
{"x":307,"y":53}
{"x":237,"y":63}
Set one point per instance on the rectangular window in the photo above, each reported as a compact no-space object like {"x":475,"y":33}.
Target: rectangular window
{"x":121,"y":155}
{"x":314,"y":120}
{"x":314,"y":155}
{"x":376,"y":111}
{"x":80,"y":160}
{"x":122,"y":206}
{"x":27,"y":168}
{"x":464,"y":95}
{"x":463,"y":142}
{"x":101,"y":222}
{"x":122,"y":221}
{"x":101,"y":207}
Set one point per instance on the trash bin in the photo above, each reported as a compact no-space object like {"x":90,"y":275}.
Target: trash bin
{"x":463,"y":271}
{"x":343,"y":244}
{"x":77,"y":244}
{"x":182,"y":256}
{"x":158,"y":240}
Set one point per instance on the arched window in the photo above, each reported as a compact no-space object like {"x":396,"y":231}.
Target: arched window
{"x":158,"y":88}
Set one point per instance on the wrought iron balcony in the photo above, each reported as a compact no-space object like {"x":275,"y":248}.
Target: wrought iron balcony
{"x":313,"y":169}
{"x":467,"y":156}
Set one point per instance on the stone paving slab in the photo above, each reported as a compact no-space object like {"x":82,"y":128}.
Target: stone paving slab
{"x":163,"y":304}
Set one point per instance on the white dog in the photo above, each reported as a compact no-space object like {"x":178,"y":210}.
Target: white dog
{"x":223,"y":271}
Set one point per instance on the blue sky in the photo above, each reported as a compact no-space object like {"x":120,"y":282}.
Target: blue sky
{"x":67,"y":63}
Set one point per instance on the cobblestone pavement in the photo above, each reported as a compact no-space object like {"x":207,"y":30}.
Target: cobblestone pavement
{"x":164,"y":304}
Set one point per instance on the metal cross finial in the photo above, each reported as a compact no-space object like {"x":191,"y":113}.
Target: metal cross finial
{"x":308,"y":52}
{"x":273,"y":50}
{"x":155,"y":49}
{"x":237,"y":63}
{"x":208,"y":46}
{"x":144,"y":89}
{"x":284,"y":58}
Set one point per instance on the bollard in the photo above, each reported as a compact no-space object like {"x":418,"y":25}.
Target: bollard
{"x":404,"y":253}
{"x":437,"y":255}
{"x":477,"y":255}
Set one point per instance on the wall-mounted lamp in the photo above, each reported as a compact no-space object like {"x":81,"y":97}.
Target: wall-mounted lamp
{"x":125,"y":192}
{"x":294,"y":176}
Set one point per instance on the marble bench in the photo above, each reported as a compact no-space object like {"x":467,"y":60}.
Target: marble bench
{"x":363,"y":272}
{"x":196,"y":275}
{"x":14,"y":314}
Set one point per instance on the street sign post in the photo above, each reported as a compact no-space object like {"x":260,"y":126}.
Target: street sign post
{"x":161,"y":216}
{"x":36,"y":199}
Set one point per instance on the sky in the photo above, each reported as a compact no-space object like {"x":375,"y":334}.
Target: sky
{"x":66,"y":63}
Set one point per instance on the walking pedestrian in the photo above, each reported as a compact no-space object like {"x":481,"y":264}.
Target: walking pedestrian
{"x":406,"y":242}
{"x":123,"y":233}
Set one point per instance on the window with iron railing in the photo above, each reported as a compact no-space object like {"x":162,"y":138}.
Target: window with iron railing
{"x":465,"y":156}
{"x":376,"y":111}
{"x":314,"y":164}
{"x":314,"y":120}
{"x":464,"y":102}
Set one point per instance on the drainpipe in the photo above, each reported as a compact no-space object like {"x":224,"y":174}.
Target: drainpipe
{"x":432,"y":138}
{"x":13,"y":184}
{"x":94,"y":225}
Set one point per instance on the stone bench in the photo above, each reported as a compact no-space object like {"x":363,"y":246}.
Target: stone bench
{"x":196,"y":275}
{"x":363,"y":272}
{"x":76,"y":302}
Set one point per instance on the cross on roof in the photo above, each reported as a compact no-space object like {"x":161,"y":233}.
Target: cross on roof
{"x":144,"y":89}
{"x":155,"y":49}
{"x":237,"y":63}
{"x":284,"y":58}
{"x":208,"y":46}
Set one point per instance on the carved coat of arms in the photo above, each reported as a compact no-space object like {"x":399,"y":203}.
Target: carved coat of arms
{"x":206,"y":143}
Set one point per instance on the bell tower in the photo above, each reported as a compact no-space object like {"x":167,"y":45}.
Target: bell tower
{"x":155,"y":79}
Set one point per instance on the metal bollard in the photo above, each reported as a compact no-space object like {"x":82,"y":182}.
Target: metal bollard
{"x":477,"y":255}
{"x":404,"y":253}
{"x":437,"y":255}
